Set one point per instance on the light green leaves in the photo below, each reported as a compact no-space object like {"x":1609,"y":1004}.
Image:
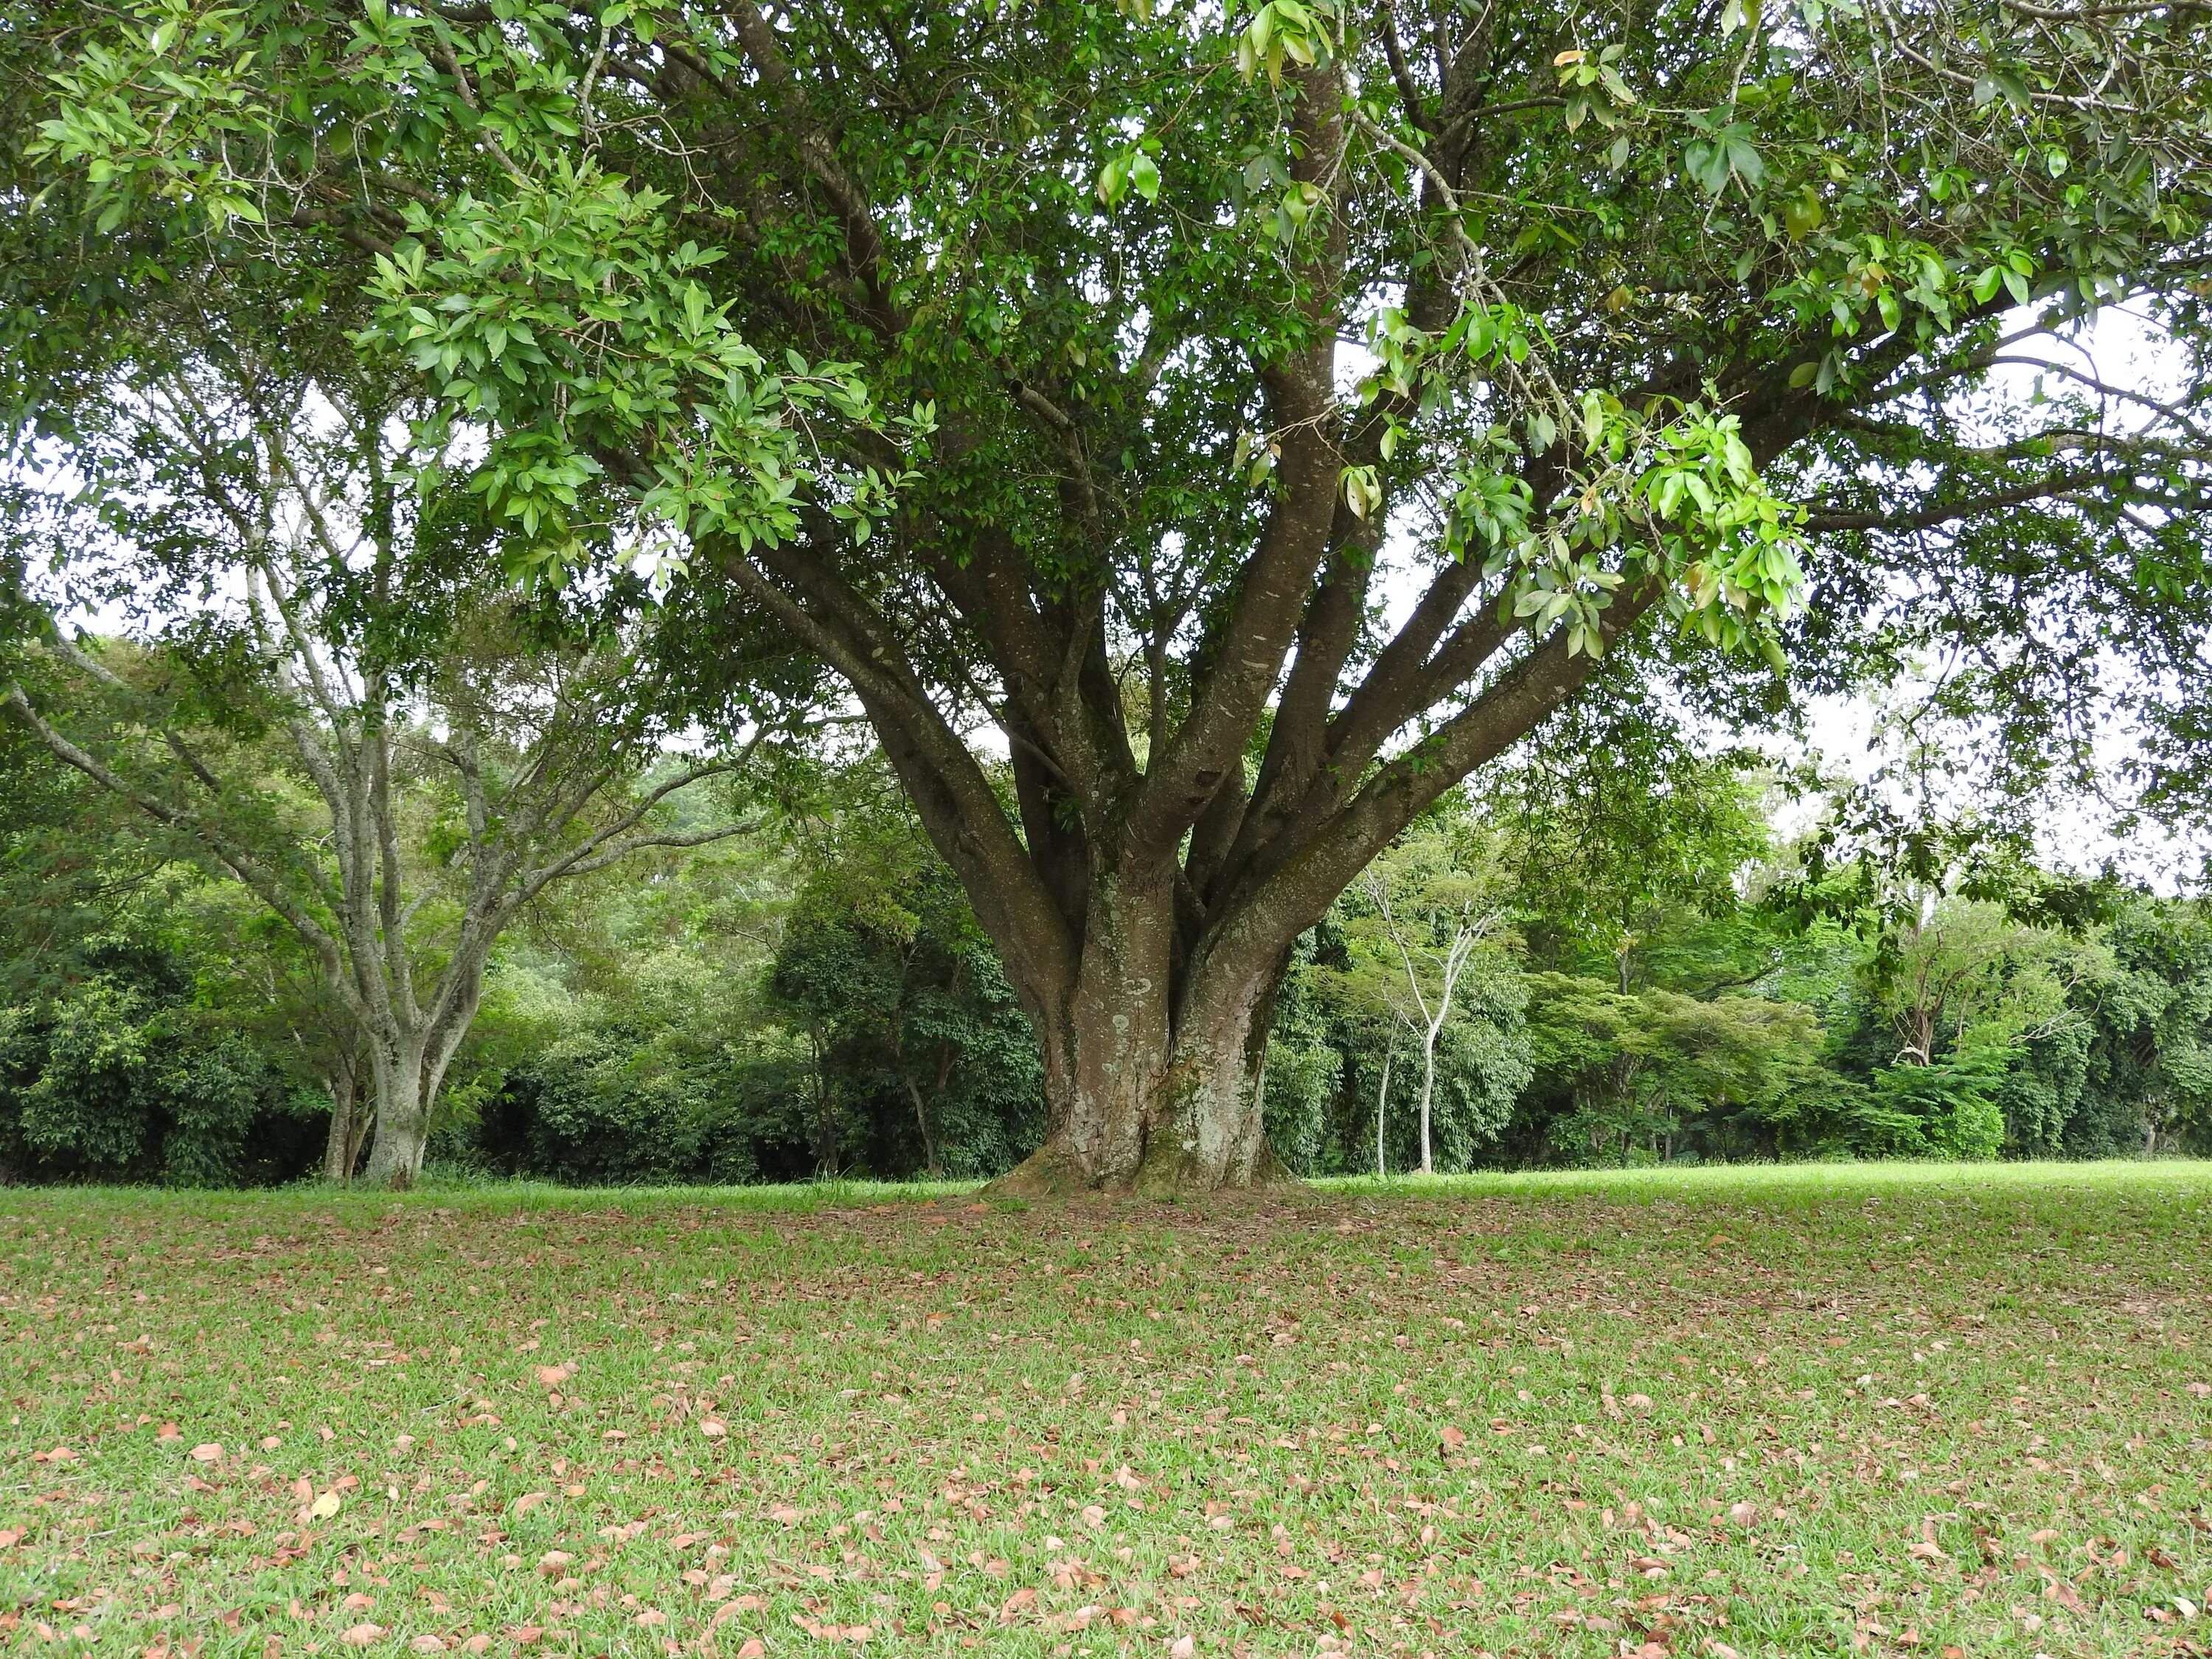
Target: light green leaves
{"x":1133,"y":168}
{"x":1285,"y":31}
{"x":563,"y":317}
{"x":1725,"y":151}
{"x":1804,"y":213}
{"x":1363,"y":490}
{"x":2011,"y":273}
{"x":1581,"y":74}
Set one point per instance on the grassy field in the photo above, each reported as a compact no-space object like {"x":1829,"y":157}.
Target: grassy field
{"x":1809,"y":1411}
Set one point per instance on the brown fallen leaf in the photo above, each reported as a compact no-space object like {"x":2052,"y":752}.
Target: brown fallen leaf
{"x":361,"y":1636}
{"x":211,"y":1452}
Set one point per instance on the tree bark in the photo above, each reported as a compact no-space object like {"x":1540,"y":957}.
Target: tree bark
{"x":1155,"y":1076}
{"x":348,"y":1124}
{"x":402,"y":1116}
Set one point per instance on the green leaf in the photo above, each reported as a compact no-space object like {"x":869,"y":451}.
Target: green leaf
{"x":1145,"y":175}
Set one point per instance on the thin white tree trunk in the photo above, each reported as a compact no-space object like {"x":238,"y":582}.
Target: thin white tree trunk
{"x":1382,"y":1109}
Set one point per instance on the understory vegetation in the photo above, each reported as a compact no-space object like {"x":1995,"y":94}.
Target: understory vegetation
{"x":1605,"y":962}
{"x":1769,"y":1414}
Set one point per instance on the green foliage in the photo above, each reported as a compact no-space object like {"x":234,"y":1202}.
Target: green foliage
{"x":926,"y":1063}
{"x":108,"y":1083}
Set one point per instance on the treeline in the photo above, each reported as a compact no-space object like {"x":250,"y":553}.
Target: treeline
{"x":1603,"y":954}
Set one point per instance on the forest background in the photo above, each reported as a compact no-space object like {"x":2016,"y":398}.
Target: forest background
{"x":1643,"y":968}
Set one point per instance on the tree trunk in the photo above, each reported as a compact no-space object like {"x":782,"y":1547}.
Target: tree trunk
{"x":1428,"y":1091}
{"x":1146,"y":1092}
{"x":403,"y":1114}
{"x":349,"y":1126}
{"x":1382,"y":1109}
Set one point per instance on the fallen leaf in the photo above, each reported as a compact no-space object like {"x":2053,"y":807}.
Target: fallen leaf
{"x":753,"y":1649}
{"x":1182,"y":1648}
{"x":361,"y":1636}
{"x":211,"y":1452}
{"x":713,"y":1430}
{"x":325,"y":1507}
{"x":1743,"y":1513}
{"x":1454,"y":1439}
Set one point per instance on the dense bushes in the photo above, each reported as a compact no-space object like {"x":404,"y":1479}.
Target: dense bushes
{"x":109,"y":1082}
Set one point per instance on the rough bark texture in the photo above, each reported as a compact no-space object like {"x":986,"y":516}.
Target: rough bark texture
{"x":350,"y":1123}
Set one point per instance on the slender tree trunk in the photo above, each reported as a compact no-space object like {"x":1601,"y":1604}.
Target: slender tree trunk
{"x":929,"y":1163}
{"x":1428,"y":1091}
{"x":1382,"y":1108}
{"x":349,"y":1125}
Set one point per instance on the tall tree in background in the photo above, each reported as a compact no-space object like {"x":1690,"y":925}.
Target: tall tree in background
{"x":1431,"y":901}
{"x":997,"y":353}
{"x":393,"y":758}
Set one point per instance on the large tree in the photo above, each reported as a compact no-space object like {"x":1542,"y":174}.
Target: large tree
{"x":1241,"y":426}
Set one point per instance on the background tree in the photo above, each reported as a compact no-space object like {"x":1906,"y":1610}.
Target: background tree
{"x":356,"y":721}
{"x":1431,"y":901}
{"x":988,"y":365}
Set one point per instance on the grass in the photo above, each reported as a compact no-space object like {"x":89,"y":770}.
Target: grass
{"x":1875,"y":1410}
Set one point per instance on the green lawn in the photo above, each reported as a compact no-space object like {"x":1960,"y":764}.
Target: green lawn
{"x":1804,"y":1411}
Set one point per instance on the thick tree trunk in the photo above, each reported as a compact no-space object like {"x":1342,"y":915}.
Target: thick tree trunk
{"x":1142,"y":1095}
{"x":402,"y":1118}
